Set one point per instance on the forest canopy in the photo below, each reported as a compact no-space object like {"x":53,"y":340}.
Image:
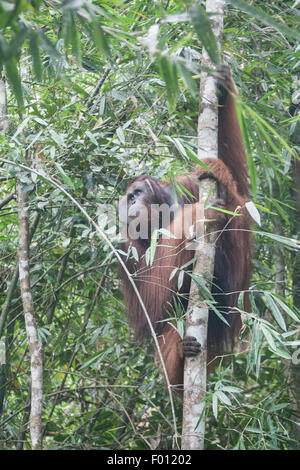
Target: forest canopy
{"x":93,"y":94}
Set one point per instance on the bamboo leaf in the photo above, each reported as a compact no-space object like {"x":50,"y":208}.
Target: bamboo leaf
{"x":70,"y":33}
{"x":173,"y":273}
{"x":15,"y":81}
{"x":153,"y":245}
{"x":265,"y":18}
{"x":280,"y":352}
{"x":168,"y":72}
{"x":64,"y":176}
{"x":100,"y":38}
{"x":251,"y":208}
{"x":58,"y":138}
{"x":135,"y":253}
{"x":188,"y":79}
{"x":35,"y":54}
{"x":274,"y":310}
{"x":215,"y":405}
{"x":286,"y":308}
{"x":180,"y":279}
{"x":289,"y":242}
{"x":268,"y":336}
{"x":223,"y":398}
{"x":203,"y":29}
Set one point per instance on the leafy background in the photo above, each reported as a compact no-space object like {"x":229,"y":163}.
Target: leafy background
{"x":98,"y":93}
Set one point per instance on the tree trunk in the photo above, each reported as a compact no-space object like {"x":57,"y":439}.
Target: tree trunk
{"x":35,"y":349}
{"x":197,"y":320}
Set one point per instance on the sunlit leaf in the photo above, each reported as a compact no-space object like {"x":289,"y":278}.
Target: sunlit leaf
{"x":250,"y":206}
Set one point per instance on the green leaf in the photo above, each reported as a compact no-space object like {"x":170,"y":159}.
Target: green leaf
{"x":178,"y":145}
{"x":168,"y":72}
{"x":92,"y":138}
{"x":64,"y":176}
{"x":245,"y":133}
{"x":75,"y":40}
{"x":215,"y":405}
{"x":203,"y":29}
{"x":58,"y":138}
{"x":40,"y":121}
{"x":231,"y":389}
{"x":120,"y":134}
{"x":265,"y":18}
{"x":15,"y":45}
{"x":216,"y":311}
{"x":251,"y":208}
{"x":223,"y":398}
{"x":286,"y":308}
{"x":70,"y":33}
{"x":189,"y":263}
{"x":187,"y":77}
{"x":153,"y":245}
{"x":48,"y":47}
{"x":173,"y":273}
{"x":279,"y":406}
{"x":252,"y":429}
{"x":274,"y":310}
{"x":180,"y":325}
{"x":35,"y":54}
{"x":100,"y":38}
{"x":135,"y":253}
{"x":193,"y":156}
{"x":268,"y":336}
{"x":3,"y":49}
{"x":180,"y":279}
{"x":263,"y":124}
{"x":166,"y":233}
{"x":289,"y":242}
{"x":281,"y":353}
{"x":14,"y":80}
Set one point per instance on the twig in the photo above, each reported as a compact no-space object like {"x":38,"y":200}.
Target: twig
{"x":7,"y":200}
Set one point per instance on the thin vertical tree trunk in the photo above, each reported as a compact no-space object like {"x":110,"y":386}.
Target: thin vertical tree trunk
{"x":197,"y":320}
{"x":34,"y":345}
{"x":295,"y":365}
{"x":4,"y":368}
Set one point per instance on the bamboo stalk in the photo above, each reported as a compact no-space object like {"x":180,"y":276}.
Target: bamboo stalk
{"x":34,"y":345}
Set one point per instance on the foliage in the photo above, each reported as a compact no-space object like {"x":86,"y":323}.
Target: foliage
{"x":98,"y":93}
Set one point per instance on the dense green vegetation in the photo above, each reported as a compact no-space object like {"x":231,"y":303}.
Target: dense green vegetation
{"x":98,"y":93}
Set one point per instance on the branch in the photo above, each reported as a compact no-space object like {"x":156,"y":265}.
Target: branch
{"x":7,"y":200}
